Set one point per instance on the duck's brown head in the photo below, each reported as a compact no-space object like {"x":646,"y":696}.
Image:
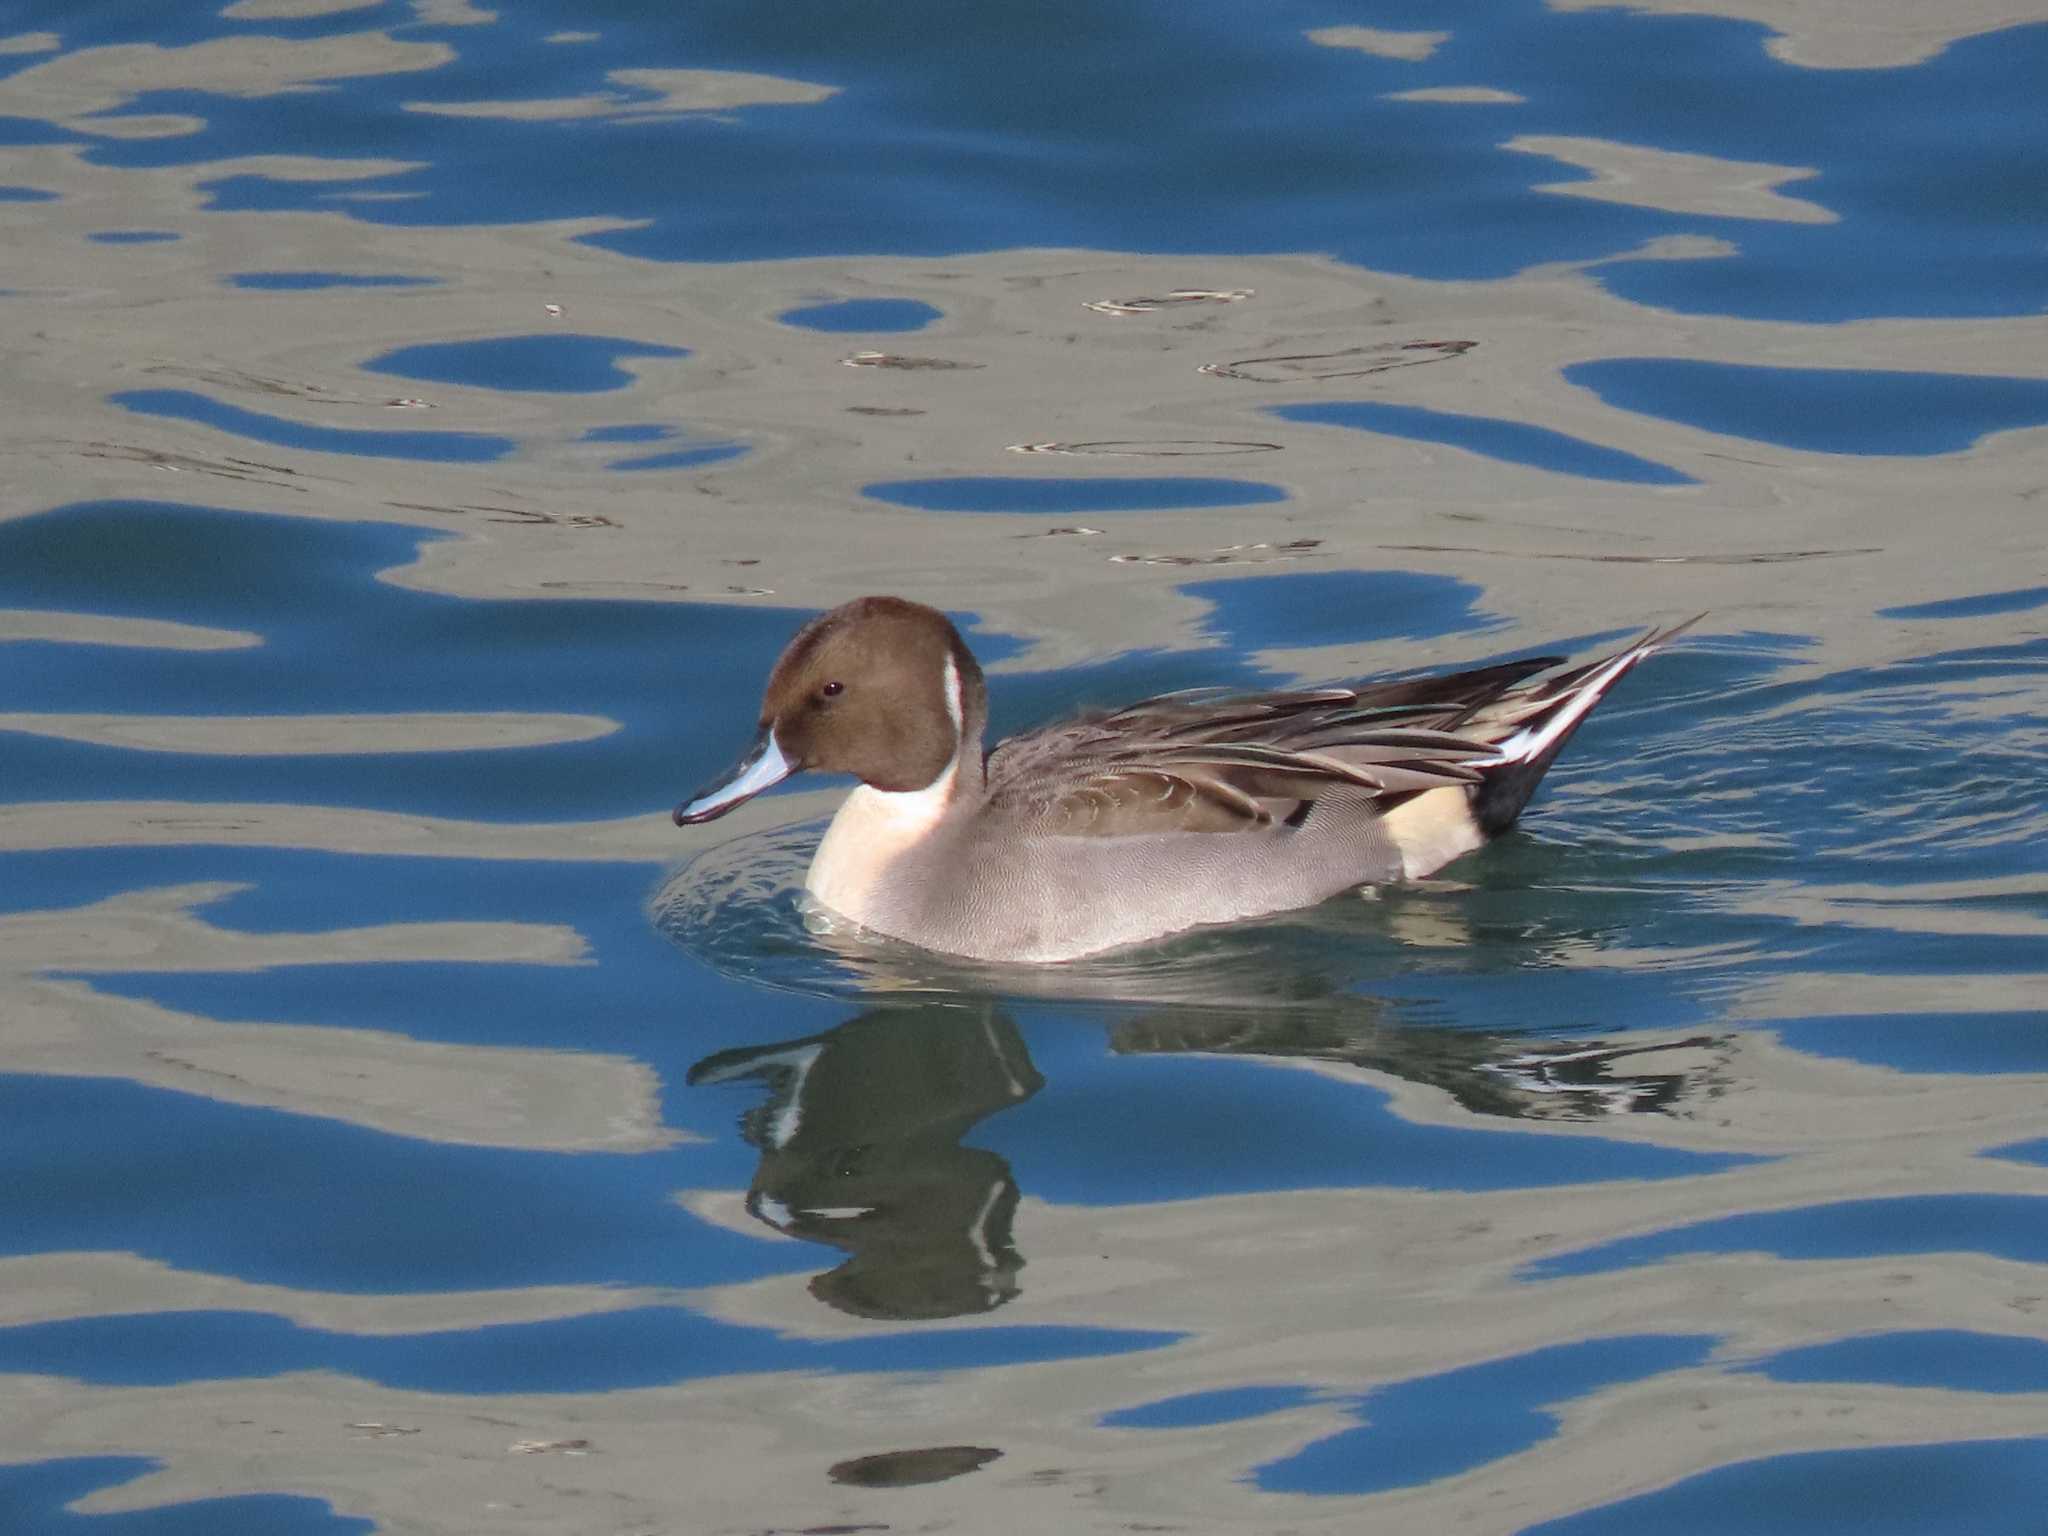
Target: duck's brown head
{"x":881,"y":688}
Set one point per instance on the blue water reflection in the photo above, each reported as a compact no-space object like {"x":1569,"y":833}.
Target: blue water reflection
{"x":604,"y":1351}
{"x":38,"y":1496}
{"x":692,"y":456}
{"x":1240,"y":1126}
{"x":564,"y":364}
{"x":294,"y":890}
{"x":1440,"y":1426}
{"x":314,"y":1209}
{"x":313,"y":282}
{"x":1416,"y":1432}
{"x":1928,"y":170}
{"x":282,"y":432}
{"x":1798,"y":848}
{"x":308,"y":587}
{"x":630,"y":432}
{"x":2004,"y":1226}
{"x":1022,"y":493}
{"x":1820,"y":410}
{"x":1200,"y":1410}
{"x":1511,"y":442}
{"x":1926,"y":1042}
{"x":1953,"y":1359}
{"x":1985,"y":1487}
{"x":684,"y":458}
{"x":1307,"y":609}
{"x":853,"y":315}
{"x":1985,"y":605}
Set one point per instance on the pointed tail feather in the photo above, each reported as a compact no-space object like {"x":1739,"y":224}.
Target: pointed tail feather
{"x":1520,"y":760}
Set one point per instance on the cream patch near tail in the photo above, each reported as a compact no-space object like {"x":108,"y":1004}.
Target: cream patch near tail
{"x":1432,"y":829}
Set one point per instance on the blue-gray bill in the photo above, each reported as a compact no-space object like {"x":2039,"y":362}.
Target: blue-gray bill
{"x":762,"y":765}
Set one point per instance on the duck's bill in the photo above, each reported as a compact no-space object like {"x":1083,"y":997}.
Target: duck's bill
{"x":762,"y":766}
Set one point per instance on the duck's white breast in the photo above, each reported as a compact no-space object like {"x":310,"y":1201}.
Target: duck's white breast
{"x":873,"y":829}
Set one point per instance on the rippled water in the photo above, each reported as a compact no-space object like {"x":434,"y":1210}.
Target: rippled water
{"x":426,"y":422}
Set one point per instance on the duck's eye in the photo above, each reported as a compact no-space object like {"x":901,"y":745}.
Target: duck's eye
{"x":831,"y":690}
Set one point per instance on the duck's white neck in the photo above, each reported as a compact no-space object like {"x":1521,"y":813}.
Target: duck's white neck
{"x":872,"y":829}
{"x":956,"y":706}
{"x":875,"y":826}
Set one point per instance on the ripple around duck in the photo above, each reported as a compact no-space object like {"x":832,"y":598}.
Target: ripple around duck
{"x":1370,"y":978}
{"x":740,"y":908}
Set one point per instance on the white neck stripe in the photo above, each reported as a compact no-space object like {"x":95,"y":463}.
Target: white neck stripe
{"x":955,"y":704}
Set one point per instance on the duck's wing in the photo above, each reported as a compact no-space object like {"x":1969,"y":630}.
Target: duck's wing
{"x":1224,"y":762}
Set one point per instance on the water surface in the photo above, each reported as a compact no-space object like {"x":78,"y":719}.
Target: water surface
{"x":429,"y":421}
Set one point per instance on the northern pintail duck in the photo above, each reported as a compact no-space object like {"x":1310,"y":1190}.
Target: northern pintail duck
{"x":1113,"y":828}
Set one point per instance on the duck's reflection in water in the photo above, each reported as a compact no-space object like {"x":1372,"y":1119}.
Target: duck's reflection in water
{"x":860,"y":1131}
{"x":860,"y":1148}
{"x":1517,"y":1077}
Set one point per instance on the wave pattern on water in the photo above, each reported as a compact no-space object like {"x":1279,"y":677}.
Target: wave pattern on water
{"x":384,"y":1076}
